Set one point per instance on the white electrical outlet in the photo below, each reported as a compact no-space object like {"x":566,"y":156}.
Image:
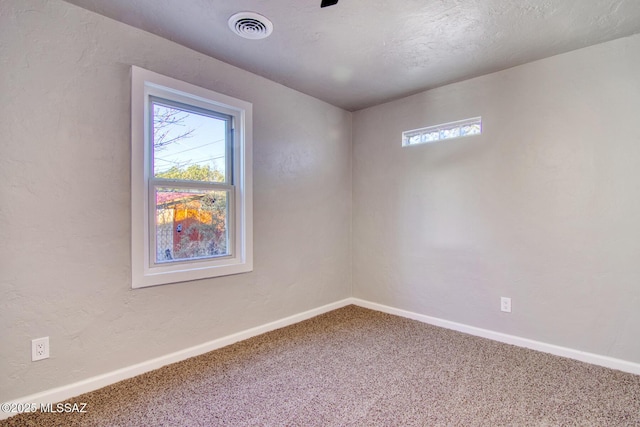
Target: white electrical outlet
{"x":39,"y":349}
{"x":505,"y":304}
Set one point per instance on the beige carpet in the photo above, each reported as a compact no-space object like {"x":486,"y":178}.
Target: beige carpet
{"x":357,"y":367}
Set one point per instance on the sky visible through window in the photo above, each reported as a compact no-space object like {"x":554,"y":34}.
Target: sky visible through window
{"x":185,"y":138}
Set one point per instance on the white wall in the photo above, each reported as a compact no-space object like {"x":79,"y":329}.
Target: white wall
{"x":65,"y":201}
{"x":544,"y":207}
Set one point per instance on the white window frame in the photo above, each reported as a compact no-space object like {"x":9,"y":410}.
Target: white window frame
{"x":144,"y":272}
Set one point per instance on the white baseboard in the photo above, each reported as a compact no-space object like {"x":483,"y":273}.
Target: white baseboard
{"x":94,"y":383}
{"x":90,"y":384}
{"x":583,"y":356}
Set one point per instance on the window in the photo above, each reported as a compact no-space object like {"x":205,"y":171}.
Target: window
{"x":190,"y":182}
{"x":450,"y":130}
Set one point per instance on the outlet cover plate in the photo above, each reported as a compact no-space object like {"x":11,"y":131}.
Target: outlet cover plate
{"x":39,"y":349}
{"x":505,"y":304}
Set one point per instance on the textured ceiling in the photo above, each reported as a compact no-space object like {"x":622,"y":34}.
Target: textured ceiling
{"x":359,"y":53}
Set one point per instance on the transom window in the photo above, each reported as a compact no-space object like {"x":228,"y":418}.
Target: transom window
{"x":191,"y":182}
{"x":458,"y":129}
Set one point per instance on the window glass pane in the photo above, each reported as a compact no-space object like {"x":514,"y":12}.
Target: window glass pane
{"x":414,"y":139}
{"x":432,"y":136}
{"x":191,"y":223}
{"x":471,"y":129}
{"x":188,"y":145}
{"x":450,"y":133}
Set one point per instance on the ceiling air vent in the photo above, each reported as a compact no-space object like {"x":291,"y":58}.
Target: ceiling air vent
{"x":250,"y":25}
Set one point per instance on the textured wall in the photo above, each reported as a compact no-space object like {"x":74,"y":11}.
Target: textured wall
{"x":362,"y":53}
{"x":544,"y":207}
{"x":65,"y":209}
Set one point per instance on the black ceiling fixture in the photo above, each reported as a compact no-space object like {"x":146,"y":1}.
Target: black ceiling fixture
{"x":326,"y":3}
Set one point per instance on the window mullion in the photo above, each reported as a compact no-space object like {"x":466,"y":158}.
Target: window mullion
{"x":177,"y":183}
